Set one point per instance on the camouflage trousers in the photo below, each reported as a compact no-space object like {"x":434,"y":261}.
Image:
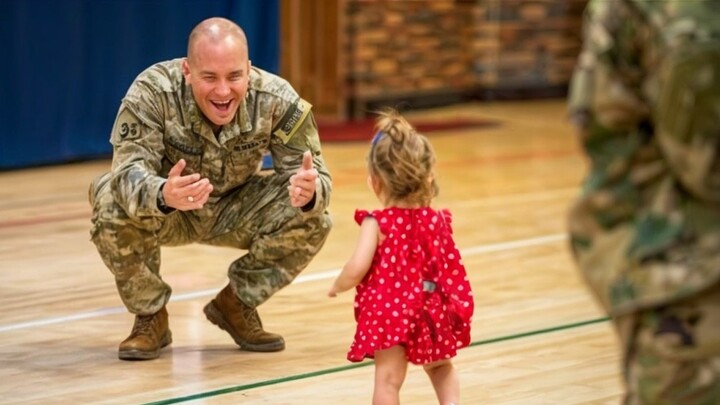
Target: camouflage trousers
{"x":280,"y":240}
{"x":672,"y":353}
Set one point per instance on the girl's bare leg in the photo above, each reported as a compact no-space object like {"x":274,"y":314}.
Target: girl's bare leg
{"x":390,"y":371}
{"x":445,"y":381}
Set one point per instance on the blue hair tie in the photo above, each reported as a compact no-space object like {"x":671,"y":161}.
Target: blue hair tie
{"x":377,"y":137}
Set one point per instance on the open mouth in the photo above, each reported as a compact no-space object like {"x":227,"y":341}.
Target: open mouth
{"x":222,"y":106}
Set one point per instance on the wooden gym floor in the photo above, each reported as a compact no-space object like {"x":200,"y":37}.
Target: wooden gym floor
{"x":538,"y":337}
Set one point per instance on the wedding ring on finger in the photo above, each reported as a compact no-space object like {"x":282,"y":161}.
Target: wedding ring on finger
{"x":191,"y":199}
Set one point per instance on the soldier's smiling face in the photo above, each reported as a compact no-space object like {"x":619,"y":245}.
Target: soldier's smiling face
{"x":218,"y":71}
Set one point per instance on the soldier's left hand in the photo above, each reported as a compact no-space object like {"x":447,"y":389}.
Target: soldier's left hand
{"x":302,"y":184}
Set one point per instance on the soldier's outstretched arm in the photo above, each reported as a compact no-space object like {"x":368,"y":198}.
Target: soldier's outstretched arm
{"x":288,"y":158}
{"x":137,"y":159}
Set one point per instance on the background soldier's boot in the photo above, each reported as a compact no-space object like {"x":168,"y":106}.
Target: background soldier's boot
{"x":242,"y":323}
{"x":150,"y":333}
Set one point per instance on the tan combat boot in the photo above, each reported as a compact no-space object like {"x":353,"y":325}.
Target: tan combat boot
{"x":150,"y":333}
{"x":242,"y":323}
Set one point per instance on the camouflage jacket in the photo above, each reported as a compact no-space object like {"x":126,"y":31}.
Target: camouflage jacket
{"x":646,"y":228}
{"x":159,"y":123}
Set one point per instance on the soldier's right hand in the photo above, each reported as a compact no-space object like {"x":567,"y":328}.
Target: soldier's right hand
{"x":188,"y":192}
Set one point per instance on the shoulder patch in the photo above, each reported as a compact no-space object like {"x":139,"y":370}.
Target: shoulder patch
{"x":292,"y":120}
{"x":127,"y":127}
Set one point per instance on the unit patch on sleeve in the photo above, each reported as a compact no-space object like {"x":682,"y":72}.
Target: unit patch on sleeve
{"x":292,"y":120}
{"x":127,"y":127}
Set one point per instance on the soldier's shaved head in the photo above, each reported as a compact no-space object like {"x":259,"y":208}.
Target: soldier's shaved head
{"x":217,"y":68}
{"x":216,"y":29}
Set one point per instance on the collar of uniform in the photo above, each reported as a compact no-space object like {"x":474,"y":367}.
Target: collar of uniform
{"x":195,"y":117}
{"x":196,"y":120}
{"x":242,"y":117}
{"x":240,"y":124}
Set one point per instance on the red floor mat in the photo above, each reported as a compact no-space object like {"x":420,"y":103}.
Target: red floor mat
{"x":364,"y":130}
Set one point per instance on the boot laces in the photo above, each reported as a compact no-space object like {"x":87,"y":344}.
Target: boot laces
{"x":252,"y":319}
{"x":143,"y":324}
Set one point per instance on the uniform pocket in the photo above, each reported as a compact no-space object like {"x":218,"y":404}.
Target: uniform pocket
{"x":176,"y":150}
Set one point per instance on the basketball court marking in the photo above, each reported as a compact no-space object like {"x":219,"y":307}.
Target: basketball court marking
{"x":476,"y":250}
{"x":340,"y":369}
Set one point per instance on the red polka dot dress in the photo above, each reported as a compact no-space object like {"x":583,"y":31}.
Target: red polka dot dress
{"x":416,"y":293}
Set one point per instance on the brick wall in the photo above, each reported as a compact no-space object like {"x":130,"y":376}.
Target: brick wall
{"x":415,"y":48}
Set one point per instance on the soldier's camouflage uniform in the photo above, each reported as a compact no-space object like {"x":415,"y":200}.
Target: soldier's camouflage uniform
{"x":646,"y":228}
{"x":158,"y":124}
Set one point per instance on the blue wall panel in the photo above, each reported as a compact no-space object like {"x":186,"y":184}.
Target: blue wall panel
{"x":67,"y":63}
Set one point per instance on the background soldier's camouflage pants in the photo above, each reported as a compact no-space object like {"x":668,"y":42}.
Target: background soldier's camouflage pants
{"x":672,"y":353}
{"x":280,"y":239}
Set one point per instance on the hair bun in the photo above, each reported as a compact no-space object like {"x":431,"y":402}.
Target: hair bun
{"x":402,"y":160}
{"x":394,"y":125}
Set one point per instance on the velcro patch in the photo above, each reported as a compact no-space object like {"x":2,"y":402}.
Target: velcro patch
{"x":292,"y":120}
{"x":127,"y":127}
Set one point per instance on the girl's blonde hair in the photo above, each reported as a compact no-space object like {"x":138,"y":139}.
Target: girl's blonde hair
{"x":402,"y":160}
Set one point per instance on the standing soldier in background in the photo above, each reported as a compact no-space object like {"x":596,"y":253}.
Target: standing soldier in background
{"x":646,"y":230}
{"x":188,"y":142}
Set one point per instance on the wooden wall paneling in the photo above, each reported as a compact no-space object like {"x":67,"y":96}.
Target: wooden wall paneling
{"x":311,"y":56}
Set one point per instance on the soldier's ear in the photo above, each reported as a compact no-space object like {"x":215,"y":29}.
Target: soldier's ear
{"x":186,"y":70}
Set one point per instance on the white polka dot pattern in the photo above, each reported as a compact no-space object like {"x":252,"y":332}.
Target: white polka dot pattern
{"x":391,"y":307}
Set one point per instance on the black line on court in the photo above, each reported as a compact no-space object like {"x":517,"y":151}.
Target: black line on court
{"x":246,"y":387}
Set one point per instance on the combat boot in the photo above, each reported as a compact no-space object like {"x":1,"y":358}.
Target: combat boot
{"x":150,"y":333}
{"x":242,"y":323}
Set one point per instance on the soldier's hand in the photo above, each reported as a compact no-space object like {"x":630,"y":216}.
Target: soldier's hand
{"x":188,"y":192}
{"x":303,"y":183}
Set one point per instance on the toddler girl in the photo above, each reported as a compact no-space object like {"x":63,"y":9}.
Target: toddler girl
{"x":413,"y":300}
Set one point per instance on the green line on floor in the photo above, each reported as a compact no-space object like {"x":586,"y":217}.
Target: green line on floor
{"x":353,"y":366}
